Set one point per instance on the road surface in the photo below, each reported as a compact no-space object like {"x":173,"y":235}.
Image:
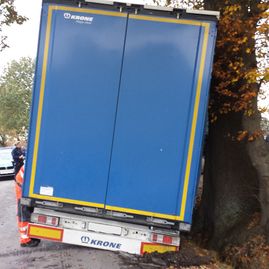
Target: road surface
{"x":49,"y":255}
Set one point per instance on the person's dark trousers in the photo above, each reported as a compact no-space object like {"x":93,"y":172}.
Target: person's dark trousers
{"x":17,"y":168}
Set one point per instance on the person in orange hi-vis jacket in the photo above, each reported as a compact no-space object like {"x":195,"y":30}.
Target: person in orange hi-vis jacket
{"x":23,"y":213}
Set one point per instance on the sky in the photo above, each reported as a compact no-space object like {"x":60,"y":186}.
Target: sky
{"x":22,"y":39}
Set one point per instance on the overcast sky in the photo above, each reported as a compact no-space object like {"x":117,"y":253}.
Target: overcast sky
{"x":22,"y":39}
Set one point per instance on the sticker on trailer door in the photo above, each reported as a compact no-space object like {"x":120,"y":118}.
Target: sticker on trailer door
{"x":48,"y":191}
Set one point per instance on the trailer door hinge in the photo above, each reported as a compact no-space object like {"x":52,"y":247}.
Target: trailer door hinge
{"x":49,"y":203}
{"x":119,"y":215}
{"x":159,"y":221}
{"x":88,"y":209}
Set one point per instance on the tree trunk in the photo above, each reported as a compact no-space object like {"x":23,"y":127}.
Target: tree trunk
{"x":258,"y":151}
{"x":230,"y":183}
{"x":236,"y":178}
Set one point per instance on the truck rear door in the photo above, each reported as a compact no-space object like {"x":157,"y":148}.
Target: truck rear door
{"x":119,"y":108}
{"x":75,"y":97}
{"x":160,"y":118}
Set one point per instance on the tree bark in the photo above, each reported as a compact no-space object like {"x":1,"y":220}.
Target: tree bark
{"x":236,"y":177}
{"x":230,"y":183}
{"x":258,"y":151}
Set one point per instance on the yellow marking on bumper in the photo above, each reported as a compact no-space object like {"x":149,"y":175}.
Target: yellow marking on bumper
{"x":45,"y":232}
{"x":149,"y":248}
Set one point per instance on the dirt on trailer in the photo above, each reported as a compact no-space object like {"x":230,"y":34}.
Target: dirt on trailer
{"x":189,"y":256}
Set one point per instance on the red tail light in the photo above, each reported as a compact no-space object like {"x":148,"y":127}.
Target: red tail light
{"x":164,"y":239}
{"x":154,"y":237}
{"x":47,"y":220}
{"x":42,"y":219}
{"x":167,"y":239}
{"x":54,"y":221}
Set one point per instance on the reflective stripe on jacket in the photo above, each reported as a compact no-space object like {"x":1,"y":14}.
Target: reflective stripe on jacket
{"x":19,"y":182}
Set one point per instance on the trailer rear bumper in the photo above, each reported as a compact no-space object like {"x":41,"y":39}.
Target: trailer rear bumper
{"x":100,"y":233}
{"x":95,"y":240}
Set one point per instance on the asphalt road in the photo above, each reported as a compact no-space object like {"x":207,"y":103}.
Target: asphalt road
{"x":47,"y":255}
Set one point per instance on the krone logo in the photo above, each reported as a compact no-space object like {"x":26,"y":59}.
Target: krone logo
{"x":85,"y":239}
{"x":67,"y":15}
{"x":78,"y":18}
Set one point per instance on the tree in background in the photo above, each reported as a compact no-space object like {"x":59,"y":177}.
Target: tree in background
{"x":15,"y":97}
{"x":8,"y":16}
{"x":237,"y":157}
{"x":235,"y":202}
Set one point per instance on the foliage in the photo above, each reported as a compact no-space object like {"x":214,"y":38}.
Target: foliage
{"x":240,"y":67}
{"x":8,"y":16}
{"x":15,"y":96}
{"x":180,"y":3}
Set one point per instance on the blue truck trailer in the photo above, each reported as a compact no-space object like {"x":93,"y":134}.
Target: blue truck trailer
{"x":117,"y":123}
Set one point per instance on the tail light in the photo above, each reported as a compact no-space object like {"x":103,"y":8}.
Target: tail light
{"x":165,"y":239}
{"x":47,"y":220}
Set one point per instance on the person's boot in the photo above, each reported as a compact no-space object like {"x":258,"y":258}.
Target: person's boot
{"x":33,"y":243}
